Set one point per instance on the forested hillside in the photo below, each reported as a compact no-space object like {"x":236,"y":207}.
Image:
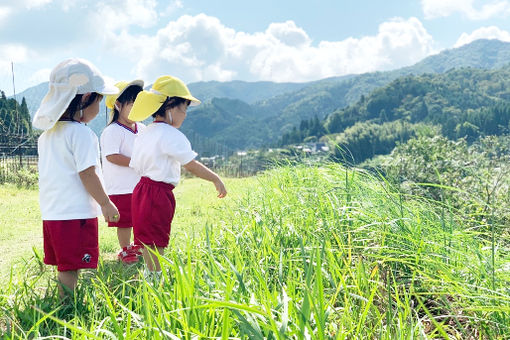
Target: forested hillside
{"x":464,"y":102}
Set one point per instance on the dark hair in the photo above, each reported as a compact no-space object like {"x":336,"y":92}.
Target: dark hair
{"x":128,"y":96}
{"x":169,"y":103}
{"x":76,"y":105}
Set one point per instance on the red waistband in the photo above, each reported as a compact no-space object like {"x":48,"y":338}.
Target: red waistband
{"x":147,"y":180}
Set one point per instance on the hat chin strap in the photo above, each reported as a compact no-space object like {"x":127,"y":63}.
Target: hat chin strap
{"x":170,"y":117}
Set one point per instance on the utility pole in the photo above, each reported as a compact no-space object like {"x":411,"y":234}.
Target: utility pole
{"x":15,"y":100}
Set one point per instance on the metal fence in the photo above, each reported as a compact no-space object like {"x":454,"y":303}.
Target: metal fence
{"x":19,"y":169}
{"x":18,"y":163}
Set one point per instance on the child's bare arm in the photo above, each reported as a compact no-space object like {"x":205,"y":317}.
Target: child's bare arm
{"x":94,"y":187}
{"x":200,"y":170}
{"x":119,"y":159}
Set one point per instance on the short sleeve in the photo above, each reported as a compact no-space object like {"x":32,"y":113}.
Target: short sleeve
{"x":110,"y":141}
{"x":85,"y":148}
{"x":179,"y":148}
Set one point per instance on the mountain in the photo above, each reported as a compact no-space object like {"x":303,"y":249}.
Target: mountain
{"x":244,"y":114}
{"x":322,"y":97}
{"x":267,"y":120}
{"x":33,"y":96}
{"x":481,"y":53}
{"x":248,"y":92}
{"x":466,"y":103}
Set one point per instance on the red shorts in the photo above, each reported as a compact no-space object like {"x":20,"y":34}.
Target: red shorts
{"x":71,"y":244}
{"x":123,"y":204}
{"x":153,"y":210}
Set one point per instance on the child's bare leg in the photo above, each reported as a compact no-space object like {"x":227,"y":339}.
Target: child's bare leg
{"x":124,"y":236}
{"x":68,"y":281}
{"x":151,"y":260}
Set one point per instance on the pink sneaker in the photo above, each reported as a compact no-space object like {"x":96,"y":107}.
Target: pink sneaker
{"x":127,"y":256}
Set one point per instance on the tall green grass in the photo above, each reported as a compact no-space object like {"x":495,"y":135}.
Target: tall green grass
{"x":305,"y":253}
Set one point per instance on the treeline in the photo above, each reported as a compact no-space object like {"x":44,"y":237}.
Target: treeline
{"x":14,"y":119}
{"x":309,"y":130}
{"x":465,"y":103}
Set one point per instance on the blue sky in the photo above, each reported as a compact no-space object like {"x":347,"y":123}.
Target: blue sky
{"x":200,"y":40}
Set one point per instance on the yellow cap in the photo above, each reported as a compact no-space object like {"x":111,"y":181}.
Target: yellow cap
{"x":122,"y":86}
{"x":148,"y":102}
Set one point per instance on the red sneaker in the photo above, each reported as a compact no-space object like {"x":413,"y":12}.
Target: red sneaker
{"x":136,"y":249}
{"x":127,"y":256}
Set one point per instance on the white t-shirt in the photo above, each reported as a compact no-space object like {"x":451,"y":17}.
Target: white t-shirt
{"x":119,"y":139}
{"x":159,"y":152}
{"x":64,"y":151}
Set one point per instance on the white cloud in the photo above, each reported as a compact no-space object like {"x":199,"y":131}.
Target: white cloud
{"x":202,"y":48}
{"x":4,"y":13}
{"x":26,"y":4}
{"x":444,"y":8}
{"x":288,"y":33}
{"x":120,"y":14}
{"x":12,"y":53}
{"x":491,"y":32}
{"x":40,"y":76}
{"x":36,"y":3}
{"x":172,"y":8}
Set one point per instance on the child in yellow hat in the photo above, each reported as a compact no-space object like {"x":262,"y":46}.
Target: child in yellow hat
{"x":117,"y":141}
{"x":70,"y":188}
{"x":158,"y":154}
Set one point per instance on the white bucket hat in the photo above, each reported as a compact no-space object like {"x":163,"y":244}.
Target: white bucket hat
{"x":69,"y":78}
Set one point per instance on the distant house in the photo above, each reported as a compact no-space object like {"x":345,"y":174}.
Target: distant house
{"x":210,"y":162}
{"x":313,"y":148}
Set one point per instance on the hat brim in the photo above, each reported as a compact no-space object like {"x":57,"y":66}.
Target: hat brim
{"x":110,"y":101}
{"x":194,"y":101}
{"x":136,"y":82}
{"x":52,"y":107}
{"x":108,"y":89}
{"x":145,"y":105}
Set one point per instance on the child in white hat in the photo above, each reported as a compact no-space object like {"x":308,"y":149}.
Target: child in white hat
{"x":158,"y":154}
{"x":70,"y":187}
{"x":117,"y":142}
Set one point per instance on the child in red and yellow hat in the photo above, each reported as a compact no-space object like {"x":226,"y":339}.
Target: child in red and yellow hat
{"x":158,"y":154}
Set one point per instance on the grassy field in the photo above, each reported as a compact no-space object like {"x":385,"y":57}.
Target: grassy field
{"x":301,"y":253}
{"x":21,"y":225}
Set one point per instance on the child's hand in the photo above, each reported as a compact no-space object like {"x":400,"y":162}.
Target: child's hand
{"x":200,"y":170}
{"x":220,"y":187}
{"x":110,"y":212}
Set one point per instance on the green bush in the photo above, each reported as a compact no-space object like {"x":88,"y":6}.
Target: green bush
{"x":472,"y":178}
{"x":25,"y":177}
